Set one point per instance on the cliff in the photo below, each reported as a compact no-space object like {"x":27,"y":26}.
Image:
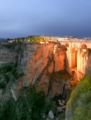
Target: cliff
{"x":48,"y":69}
{"x":48,"y":64}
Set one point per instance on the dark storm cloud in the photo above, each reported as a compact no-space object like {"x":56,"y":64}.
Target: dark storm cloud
{"x":45,"y":17}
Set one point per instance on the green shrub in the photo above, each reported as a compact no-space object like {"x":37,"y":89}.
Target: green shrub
{"x":8,"y":73}
{"x":30,"y":105}
{"x":79,"y":104}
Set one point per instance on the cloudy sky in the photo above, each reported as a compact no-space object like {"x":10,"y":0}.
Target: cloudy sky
{"x":45,"y":17}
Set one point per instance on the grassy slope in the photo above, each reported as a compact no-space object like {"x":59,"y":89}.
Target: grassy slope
{"x":79,"y":104}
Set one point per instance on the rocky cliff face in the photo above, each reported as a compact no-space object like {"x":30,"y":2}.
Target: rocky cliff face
{"x":6,"y":55}
{"x":48,"y":66}
{"x":48,"y":69}
{"x":88,"y":67}
{"x":51,"y":67}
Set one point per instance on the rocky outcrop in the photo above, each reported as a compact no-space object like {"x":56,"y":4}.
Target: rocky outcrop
{"x":6,"y":55}
{"x":88,"y":67}
{"x":48,"y":69}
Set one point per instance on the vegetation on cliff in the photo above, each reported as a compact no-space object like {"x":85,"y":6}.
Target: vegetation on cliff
{"x":27,"y":105}
{"x":30,"y":105}
{"x":9,"y":73}
{"x":37,"y":39}
{"x":79,"y":104}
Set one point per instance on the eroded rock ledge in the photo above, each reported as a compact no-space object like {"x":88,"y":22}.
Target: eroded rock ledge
{"x":49,"y":70}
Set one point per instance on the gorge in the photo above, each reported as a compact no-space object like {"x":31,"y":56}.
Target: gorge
{"x":54,"y":65}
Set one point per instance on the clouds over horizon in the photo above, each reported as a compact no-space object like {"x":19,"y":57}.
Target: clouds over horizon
{"x":54,"y":17}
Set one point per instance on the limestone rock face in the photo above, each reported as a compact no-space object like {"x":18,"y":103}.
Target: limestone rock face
{"x":47,"y":70}
{"x":6,"y":55}
{"x":88,"y":67}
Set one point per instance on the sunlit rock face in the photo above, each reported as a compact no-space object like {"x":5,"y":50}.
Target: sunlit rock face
{"x":57,"y":62}
{"x":88,"y":67}
{"x":48,"y":69}
{"x":48,"y":65}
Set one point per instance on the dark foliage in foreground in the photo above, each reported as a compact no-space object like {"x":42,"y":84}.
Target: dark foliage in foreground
{"x":30,"y":105}
{"x":8,"y":73}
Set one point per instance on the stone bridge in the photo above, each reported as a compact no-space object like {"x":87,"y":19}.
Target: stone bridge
{"x":78,"y":53}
